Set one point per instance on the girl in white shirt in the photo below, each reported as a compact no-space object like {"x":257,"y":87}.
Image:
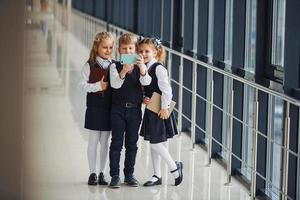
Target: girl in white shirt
{"x":158,"y":127}
{"x":98,"y":102}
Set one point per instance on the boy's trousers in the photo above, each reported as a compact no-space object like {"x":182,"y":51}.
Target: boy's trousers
{"x":125,"y":122}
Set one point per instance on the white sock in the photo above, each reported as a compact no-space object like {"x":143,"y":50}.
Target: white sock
{"x":92,"y":149}
{"x":160,"y":149}
{"x":156,"y":160}
{"x":103,"y":139}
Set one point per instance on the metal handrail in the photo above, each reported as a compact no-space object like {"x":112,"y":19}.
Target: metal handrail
{"x":235,"y":77}
{"x":209,"y":66}
{"x":212,"y":67}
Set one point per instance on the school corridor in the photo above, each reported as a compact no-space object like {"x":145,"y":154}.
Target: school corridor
{"x":238,"y":117}
{"x":55,"y":142}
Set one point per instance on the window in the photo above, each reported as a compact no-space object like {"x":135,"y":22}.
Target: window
{"x":210,"y":29}
{"x":247,"y":131}
{"x":251,"y":8}
{"x":228,"y":32}
{"x":274,"y":150}
{"x":276,"y":105}
{"x":278,"y":32}
{"x":250,"y":48}
{"x":226,"y":101}
{"x":228,"y":59}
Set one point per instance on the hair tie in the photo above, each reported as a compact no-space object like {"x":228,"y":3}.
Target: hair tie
{"x":156,"y":41}
{"x":96,"y":39}
{"x":140,"y":38}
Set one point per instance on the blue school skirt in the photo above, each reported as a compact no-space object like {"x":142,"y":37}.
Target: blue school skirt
{"x":97,"y":119}
{"x":155,"y":129}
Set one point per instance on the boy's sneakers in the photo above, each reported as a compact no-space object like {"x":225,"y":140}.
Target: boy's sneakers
{"x":101,"y":179}
{"x":115,"y":182}
{"x":92,"y":179}
{"x":131,"y":181}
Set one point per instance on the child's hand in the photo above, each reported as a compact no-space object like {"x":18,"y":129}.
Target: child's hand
{"x":104,"y":84}
{"x":140,"y":63}
{"x":164,"y":114}
{"x":126,"y":69}
{"x":147,"y":100}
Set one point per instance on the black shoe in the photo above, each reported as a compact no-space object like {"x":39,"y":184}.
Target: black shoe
{"x":92,"y":179}
{"x":101,"y":179}
{"x":131,"y":181}
{"x":115,"y":182}
{"x":151,"y":183}
{"x":178,"y":180}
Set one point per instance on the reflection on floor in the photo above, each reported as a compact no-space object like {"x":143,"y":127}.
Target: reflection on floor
{"x":55,"y":142}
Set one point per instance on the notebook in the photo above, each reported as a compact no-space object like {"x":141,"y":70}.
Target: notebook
{"x":155,"y":105}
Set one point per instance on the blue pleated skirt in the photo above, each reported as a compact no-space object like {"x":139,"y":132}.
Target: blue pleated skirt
{"x":97,"y":119}
{"x":155,"y":129}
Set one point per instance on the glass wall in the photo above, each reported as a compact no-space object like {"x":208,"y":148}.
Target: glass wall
{"x":247,"y":131}
{"x":274,"y":150}
{"x":210,"y":41}
{"x":276,"y":106}
{"x":278,"y":32}
{"x":228,"y":32}
{"x":250,"y":39}
{"x":227,"y":60}
{"x":250,"y":51}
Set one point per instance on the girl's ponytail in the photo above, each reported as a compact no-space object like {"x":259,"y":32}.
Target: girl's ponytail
{"x":160,"y":57}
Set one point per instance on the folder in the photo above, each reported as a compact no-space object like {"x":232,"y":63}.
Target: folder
{"x":155,"y":105}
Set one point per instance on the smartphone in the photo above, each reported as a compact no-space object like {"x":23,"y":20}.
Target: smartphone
{"x":129,"y":58}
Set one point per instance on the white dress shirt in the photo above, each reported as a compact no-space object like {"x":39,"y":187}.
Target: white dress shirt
{"x":85,"y":73}
{"x":163,"y":83}
{"x":116,"y":82}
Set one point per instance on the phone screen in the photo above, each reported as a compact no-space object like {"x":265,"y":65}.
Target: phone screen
{"x":129,"y":58}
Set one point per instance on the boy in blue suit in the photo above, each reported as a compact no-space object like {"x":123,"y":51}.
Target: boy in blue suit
{"x":126,"y":115}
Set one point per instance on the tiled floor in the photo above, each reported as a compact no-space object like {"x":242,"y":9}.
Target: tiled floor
{"x":55,"y":143}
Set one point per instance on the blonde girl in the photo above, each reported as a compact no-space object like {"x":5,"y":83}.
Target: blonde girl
{"x":157,"y":128}
{"x":98,"y":103}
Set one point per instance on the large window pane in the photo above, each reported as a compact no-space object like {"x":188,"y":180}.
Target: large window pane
{"x":210,"y":42}
{"x":274,"y":156}
{"x":227,"y":59}
{"x":225,"y":116}
{"x":276,"y":106}
{"x":250,"y":51}
{"x":247,"y":131}
{"x":228,"y":32}
{"x":250,"y":38}
{"x":278,"y":32}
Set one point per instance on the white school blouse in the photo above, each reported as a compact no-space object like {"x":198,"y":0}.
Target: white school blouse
{"x":163,"y":83}
{"x":85,"y":74}
{"x":116,"y":82}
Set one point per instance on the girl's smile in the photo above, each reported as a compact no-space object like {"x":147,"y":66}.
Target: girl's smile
{"x":147,"y":51}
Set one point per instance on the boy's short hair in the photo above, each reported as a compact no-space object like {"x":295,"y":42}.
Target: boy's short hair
{"x":128,"y":38}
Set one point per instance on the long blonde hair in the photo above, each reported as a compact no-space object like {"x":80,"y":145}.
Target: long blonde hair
{"x":100,"y":37}
{"x":156,"y":44}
